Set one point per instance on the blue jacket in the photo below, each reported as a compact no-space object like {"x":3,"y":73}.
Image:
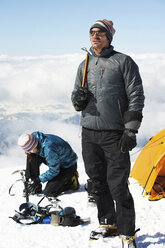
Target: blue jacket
{"x":56,"y":152}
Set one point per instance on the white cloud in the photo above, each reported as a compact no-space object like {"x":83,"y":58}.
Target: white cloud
{"x":47,"y":79}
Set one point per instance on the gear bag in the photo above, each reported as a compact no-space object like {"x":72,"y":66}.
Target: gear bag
{"x":65,"y":217}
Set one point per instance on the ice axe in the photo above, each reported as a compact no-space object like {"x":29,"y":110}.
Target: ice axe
{"x":26,"y":209}
{"x":22,"y":173}
{"x":85,"y":67}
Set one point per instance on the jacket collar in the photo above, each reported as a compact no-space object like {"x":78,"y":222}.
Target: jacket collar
{"x":105,"y":52}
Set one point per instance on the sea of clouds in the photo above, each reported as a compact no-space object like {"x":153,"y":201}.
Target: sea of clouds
{"x":35,"y":95}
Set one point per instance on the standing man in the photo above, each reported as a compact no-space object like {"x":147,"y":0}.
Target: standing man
{"x":111,"y":103}
{"x":60,"y":158}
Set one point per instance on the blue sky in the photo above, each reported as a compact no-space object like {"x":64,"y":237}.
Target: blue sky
{"x":40,"y":27}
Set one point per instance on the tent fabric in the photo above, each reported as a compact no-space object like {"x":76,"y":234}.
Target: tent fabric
{"x":149,"y":166}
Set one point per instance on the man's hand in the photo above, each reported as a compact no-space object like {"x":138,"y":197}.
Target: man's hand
{"x":31,"y":187}
{"x":80,"y":99}
{"x":128,"y":141}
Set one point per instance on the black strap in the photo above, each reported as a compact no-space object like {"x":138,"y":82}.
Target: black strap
{"x":20,"y":216}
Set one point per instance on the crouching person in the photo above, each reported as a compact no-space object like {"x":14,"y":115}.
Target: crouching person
{"x":60,"y":158}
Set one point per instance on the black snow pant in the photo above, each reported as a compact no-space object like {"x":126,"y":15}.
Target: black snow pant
{"x":109,"y":169}
{"x":60,"y":183}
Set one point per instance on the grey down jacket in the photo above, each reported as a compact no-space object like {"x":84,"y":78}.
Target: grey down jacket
{"x":114,"y":86}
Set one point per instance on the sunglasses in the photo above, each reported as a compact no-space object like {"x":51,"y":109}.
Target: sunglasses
{"x":98,"y":33}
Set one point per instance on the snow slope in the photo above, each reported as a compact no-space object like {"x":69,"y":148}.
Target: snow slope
{"x":149,"y":218}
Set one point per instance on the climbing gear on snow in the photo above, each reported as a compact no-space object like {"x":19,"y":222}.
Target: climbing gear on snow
{"x":104,"y":231}
{"x":30,"y":213}
{"x":23,"y":179}
{"x":128,"y":241}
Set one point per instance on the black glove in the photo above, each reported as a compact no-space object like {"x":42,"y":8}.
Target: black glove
{"x":31,"y":187}
{"x":80,"y":99}
{"x":132,"y":120}
{"x":127,"y":141}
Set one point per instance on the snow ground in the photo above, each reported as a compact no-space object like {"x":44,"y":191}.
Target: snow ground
{"x":149,"y":218}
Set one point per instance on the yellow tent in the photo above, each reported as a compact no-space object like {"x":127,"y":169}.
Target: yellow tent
{"x":149,"y":167}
